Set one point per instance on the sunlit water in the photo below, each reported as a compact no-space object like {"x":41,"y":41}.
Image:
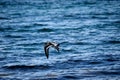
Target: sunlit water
{"x":88,"y":32}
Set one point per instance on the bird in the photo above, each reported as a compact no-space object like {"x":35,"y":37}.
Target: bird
{"x":48,"y":45}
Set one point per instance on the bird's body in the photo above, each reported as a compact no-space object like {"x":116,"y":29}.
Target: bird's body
{"x":48,"y":45}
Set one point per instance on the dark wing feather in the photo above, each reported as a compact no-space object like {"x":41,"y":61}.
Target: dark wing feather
{"x":46,"y":49}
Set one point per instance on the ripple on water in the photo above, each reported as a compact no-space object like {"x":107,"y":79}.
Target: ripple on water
{"x":112,"y":58}
{"x":95,"y":62}
{"x":45,"y":30}
{"x":3,"y":29}
{"x":40,"y":24}
{"x":110,"y":72}
{"x":27,"y":67}
{"x":4,"y":18}
{"x":70,"y":76}
{"x":112,"y":42}
{"x":13,"y":36}
{"x":4,"y":75}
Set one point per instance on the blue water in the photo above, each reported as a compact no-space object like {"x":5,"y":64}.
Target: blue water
{"x":88,"y":32}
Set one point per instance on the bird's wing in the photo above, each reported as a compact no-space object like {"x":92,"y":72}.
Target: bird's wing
{"x":46,"y":49}
{"x":46,"y":52}
{"x":48,"y":45}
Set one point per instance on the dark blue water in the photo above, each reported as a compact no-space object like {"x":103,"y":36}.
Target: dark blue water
{"x":88,"y":32}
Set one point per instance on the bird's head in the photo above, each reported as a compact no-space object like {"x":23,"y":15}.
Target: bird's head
{"x":57,"y":47}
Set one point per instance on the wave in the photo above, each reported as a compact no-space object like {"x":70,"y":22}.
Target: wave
{"x":79,"y":43}
{"x":85,"y":61}
{"x":112,"y":42}
{"x":70,"y":76}
{"x":2,"y":58}
{"x":30,"y":44}
{"x":4,"y":18}
{"x":39,"y":24}
{"x":74,"y":61}
{"x":117,"y":22}
{"x":112,"y":59}
{"x":12,"y":2}
{"x":22,"y":30}
{"x":45,"y":30}
{"x":95,"y":62}
{"x":110,"y":72}
{"x":5,"y":75}
{"x":85,"y":2}
{"x":24,"y":67}
{"x":13,"y":36}
{"x":5,"y":29}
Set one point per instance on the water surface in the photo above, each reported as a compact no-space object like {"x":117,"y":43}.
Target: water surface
{"x":88,"y":32}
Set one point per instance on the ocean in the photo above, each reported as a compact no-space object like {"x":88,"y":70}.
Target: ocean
{"x":88,"y":32}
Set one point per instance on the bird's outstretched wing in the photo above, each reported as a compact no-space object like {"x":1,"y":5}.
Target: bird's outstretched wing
{"x":46,"y":52}
{"x":48,"y":45}
{"x":46,"y":49}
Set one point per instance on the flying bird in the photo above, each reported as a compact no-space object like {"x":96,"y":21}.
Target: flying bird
{"x":48,"y":45}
